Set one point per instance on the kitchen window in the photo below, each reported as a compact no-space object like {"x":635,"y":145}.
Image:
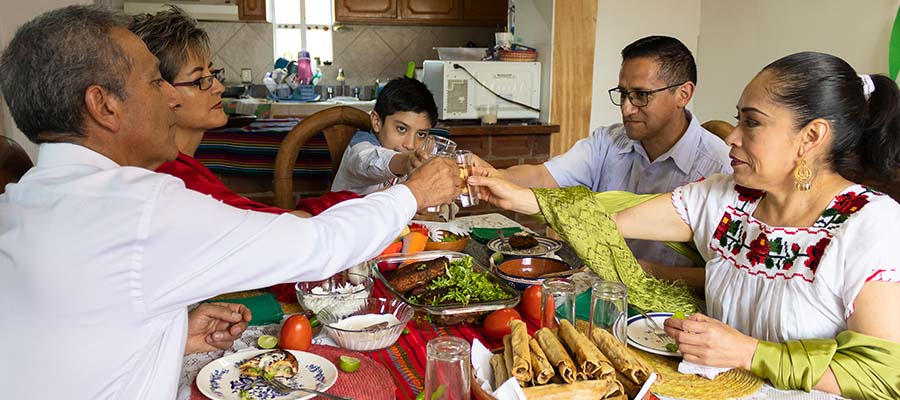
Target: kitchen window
{"x":303,"y":25}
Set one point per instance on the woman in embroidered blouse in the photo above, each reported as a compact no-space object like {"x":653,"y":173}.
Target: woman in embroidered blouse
{"x":801,"y":262}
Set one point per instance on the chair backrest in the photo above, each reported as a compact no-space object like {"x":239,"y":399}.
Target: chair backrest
{"x":339,"y":124}
{"x":14,"y":162}
{"x":718,"y":127}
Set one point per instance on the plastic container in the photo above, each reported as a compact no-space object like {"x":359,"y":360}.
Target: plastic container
{"x":445,"y":314}
{"x":338,"y":288}
{"x":461,"y":53}
{"x":304,"y":68}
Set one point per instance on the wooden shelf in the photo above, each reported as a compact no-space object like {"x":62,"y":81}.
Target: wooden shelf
{"x":474,"y":129}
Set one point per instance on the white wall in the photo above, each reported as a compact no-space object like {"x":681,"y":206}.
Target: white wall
{"x":622,"y":22}
{"x":534,"y":27}
{"x":14,"y":14}
{"x":738,"y":38}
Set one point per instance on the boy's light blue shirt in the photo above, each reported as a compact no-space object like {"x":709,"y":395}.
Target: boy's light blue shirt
{"x":365,"y":166}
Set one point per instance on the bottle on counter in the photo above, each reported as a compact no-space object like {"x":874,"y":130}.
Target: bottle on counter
{"x":304,"y":68}
{"x":340,"y":82}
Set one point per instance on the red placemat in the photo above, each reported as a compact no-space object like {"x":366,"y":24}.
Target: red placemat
{"x":371,"y":382}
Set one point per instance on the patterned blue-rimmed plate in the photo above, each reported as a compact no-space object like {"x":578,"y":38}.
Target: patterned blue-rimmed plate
{"x":221,"y":379}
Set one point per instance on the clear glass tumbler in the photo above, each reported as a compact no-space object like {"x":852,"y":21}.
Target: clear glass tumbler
{"x":438,"y":146}
{"x":557,"y":302}
{"x":464,"y":160}
{"x":448,"y":369}
{"x":609,"y":308}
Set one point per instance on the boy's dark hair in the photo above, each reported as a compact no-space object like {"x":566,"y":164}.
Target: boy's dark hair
{"x":406,"y":94}
{"x":676,"y":63}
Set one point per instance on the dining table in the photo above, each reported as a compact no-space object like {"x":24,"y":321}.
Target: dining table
{"x":398,"y":371}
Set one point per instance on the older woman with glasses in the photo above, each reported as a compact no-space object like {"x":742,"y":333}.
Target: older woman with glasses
{"x":182,"y":48}
{"x":802,"y":267}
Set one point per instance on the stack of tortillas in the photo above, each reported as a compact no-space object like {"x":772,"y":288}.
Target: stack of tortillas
{"x":732,"y":384}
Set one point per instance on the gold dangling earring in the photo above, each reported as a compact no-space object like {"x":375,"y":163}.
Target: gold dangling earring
{"x":803,"y":175}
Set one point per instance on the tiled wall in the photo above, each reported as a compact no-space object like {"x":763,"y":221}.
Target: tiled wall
{"x":367,"y":52}
{"x":236,"y":45}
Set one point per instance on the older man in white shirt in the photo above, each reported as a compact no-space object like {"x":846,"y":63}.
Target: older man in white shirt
{"x":100,"y":257}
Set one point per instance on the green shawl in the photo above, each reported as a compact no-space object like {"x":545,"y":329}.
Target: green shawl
{"x":582,"y":219}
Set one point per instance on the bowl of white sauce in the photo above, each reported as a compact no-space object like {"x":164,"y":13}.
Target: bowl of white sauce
{"x":366,"y":324}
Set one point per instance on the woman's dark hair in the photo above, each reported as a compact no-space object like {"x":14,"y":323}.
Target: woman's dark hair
{"x":173,"y":37}
{"x":866,"y":146}
{"x":405,"y":94}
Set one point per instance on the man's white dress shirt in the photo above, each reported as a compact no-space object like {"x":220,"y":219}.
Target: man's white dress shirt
{"x":99,"y":262}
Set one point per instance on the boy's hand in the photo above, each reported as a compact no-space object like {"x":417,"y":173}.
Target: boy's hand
{"x":405,"y":162}
{"x":436,"y":182}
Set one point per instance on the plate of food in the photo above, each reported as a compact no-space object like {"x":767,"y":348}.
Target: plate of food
{"x":240,"y":376}
{"x":524,"y":244}
{"x":644,"y":337}
{"x":449,"y":287}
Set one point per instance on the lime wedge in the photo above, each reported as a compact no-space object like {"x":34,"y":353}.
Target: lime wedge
{"x":678,"y":315}
{"x":267,"y":342}
{"x":348,"y":364}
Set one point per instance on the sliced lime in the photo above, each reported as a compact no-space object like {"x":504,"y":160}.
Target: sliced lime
{"x":348,"y":364}
{"x":267,"y":342}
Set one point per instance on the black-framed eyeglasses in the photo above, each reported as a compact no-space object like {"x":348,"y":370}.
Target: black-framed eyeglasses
{"x":638,"y":98}
{"x":205,"y":82}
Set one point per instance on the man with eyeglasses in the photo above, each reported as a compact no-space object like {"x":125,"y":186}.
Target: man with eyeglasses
{"x":659,"y":145}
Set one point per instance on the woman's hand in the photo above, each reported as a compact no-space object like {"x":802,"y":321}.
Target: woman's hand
{"x":213,"y":326}
{"x":502,"y":193}
{"x":707,"y":341}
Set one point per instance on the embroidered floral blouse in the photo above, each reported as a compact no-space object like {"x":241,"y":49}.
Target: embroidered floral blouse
{"x":776,"y":283}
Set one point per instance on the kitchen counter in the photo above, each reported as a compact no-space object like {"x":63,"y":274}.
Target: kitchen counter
{"x":264,"y":108}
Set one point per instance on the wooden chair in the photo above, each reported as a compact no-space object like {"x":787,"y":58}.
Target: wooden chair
{"x":718,"y":127}
{"x":339,"y":124}
{"x":14,"y":162}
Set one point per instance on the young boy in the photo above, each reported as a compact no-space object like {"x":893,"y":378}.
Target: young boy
{"x":404,"y":113}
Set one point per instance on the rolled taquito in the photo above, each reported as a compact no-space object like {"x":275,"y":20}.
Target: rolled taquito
{"x":540,"y":366}
{"x":508,"y":353}
{"x":623,"y":359}
{"x":498,"y":365}
{"x":521,"y":368}
{"x":557,"y":354}
{"x":581,"y":390}
{"x":588,"y":358}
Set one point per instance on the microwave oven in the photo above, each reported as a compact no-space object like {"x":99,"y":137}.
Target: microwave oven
{"x":459,"y":87}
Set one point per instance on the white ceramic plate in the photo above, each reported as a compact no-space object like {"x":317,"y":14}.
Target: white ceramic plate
{"x":545,"y":246}
{"x":221,"y":379}
{"x":641,"y":336}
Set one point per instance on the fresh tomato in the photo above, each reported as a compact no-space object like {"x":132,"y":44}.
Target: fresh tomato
{"x":531,"y":303}
{"x":296,"y":334}
{"x":496,"y":325}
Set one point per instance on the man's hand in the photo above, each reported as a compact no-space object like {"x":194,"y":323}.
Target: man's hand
{"x":214,"y":326}
{"x":405,"y":162}
{"x":707,"y":341}
{"x":436,"y":182}
{"x":503,"y":193}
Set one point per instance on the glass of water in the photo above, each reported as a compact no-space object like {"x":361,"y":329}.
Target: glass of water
{"x":448,"y":369}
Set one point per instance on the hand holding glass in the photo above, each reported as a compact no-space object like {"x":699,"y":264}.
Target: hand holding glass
{"x":441,"y":147}
{"x":464,"y":160}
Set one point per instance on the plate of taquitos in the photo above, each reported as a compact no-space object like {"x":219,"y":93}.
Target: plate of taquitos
{"x":565,"y":363}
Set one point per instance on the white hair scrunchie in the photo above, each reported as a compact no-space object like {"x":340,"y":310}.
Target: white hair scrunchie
{"x":868,"y":85}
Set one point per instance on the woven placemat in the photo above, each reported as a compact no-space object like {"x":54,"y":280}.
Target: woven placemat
{"x":732,"y":384}
{"x":371,"y":382}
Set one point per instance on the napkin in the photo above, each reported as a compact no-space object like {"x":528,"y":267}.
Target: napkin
{"x":484,"y":235}
{"x":265,"y":309}
{"x":481,"y":362}
{"x":689,"y":368}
